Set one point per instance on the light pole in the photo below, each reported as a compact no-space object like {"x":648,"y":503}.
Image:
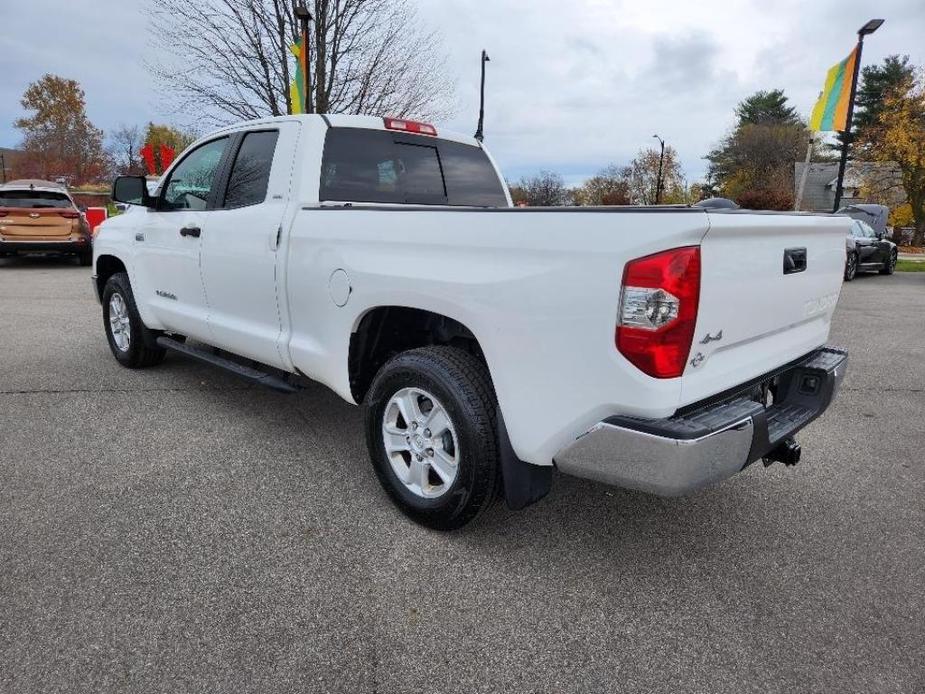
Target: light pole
{"x":661,"y":162}
{"x":865,"y":30}
{"x":304,"y":17}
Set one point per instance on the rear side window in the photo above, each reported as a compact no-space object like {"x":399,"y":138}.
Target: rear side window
{"x":380,"y":166}
{"x":34,"y":199}
{"x":250,"y":173}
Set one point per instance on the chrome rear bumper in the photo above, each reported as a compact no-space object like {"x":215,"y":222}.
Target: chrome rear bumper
{"x":709,"y":442}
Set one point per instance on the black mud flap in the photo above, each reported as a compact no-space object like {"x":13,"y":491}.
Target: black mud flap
{"x":524,"y":484}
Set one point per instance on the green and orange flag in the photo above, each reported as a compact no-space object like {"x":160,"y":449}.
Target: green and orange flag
{"x":297,"y":86}
{"x":831,"y":111}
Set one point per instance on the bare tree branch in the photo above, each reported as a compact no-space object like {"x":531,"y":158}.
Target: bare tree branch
{"x":229,"y":59}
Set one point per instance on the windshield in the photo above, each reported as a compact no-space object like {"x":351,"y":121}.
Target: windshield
{"x":33,"y":199}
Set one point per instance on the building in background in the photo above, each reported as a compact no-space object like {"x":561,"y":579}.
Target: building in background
{"x":865,"y":182}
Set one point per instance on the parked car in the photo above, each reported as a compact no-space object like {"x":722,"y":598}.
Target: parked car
{"x":41,"y":217}
{"x":867,"y":250}
{"x":875,"y":216}
{"x":486,"y":343}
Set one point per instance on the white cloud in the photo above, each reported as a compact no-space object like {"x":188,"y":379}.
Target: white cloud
{"x":571,"y":86}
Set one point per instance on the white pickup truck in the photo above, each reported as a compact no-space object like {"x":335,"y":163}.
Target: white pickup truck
{"x":657,"y":348}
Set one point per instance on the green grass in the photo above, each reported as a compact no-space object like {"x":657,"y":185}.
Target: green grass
{"x":910,"y":266}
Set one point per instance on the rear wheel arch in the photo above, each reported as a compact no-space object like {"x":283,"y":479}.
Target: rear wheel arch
{"x":384,"y":331}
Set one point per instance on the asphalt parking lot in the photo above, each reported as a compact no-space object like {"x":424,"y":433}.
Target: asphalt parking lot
{"x":175,"y":530}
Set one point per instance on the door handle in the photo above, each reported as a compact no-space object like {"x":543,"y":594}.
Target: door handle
{"x":794,"y":260}
{"x":190,"y":231}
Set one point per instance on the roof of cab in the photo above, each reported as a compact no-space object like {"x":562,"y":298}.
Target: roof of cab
{"x":350,"y":121}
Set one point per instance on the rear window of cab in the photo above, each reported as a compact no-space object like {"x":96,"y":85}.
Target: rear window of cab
{"x":387,"y":167}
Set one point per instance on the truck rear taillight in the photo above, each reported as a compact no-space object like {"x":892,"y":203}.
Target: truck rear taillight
{"x":658,"y":311}
{"x":409,"y":126}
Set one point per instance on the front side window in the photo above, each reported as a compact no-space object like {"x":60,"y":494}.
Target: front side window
{"x":250,"y":174}
{"x":191,"y":182}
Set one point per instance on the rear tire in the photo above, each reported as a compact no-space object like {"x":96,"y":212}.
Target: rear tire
{"x":447,"y":477}
{"x":851,"y":266}
{"x":890,"y":266}
{"x":86,"y":258}
{"x":132,"y":344}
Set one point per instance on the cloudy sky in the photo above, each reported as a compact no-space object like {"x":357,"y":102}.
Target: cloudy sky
{"x":571,"y":86}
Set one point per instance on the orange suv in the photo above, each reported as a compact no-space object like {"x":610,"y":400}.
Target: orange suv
{"x":40,"y":217}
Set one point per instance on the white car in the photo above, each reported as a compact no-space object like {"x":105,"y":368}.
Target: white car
{"x":657,"y":348}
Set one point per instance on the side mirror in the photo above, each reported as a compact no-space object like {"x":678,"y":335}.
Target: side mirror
{"x":132,"y":190}
{"x":879,"y":235}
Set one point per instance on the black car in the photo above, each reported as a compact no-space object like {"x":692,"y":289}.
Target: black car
{"x":868,"y":250}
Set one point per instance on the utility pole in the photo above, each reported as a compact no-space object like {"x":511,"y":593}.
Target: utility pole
{"x":803,"y":176}
{"x":658,"y":179}
{"x":479,"y":132}
{"x":304,"y":17}
{"x":865,"y":30}
{"x":3,"y":166}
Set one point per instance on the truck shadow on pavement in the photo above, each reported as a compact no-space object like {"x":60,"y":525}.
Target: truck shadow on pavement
{"x":576,"y":520}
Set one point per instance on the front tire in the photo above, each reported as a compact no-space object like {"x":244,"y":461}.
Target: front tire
{"x":430,"y":417}
{"x":890,"y":266}
{"x":130,"y":341}
{"x":851,"y":266}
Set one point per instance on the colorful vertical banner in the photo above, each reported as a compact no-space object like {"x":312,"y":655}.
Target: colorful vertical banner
{"x":297,"y":86}
{"x":831,"y":110}
{"x":147,"y":154}
{"x":167,"y":154}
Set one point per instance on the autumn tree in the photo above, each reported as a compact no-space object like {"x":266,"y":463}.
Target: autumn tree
{"x":58,"y":138}
{"x":175,"y":138}
{"x":899,"y":136}
{"x":545,"y":189}
{"x":610,"y":186}
{"x":756,"y":159}
{"x":366,"y":56}
{"x":642,"y":177}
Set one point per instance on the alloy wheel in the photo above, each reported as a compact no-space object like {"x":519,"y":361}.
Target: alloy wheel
{"x":119,"y":324}
{"x":420,"y":442}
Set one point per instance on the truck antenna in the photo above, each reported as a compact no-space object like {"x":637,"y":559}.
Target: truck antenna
{"x":479,"y":134}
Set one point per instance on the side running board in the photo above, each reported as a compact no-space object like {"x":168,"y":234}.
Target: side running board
{"x":262,"y":378}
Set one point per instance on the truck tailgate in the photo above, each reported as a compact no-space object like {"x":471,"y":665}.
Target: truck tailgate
{"x":758,"y":309}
